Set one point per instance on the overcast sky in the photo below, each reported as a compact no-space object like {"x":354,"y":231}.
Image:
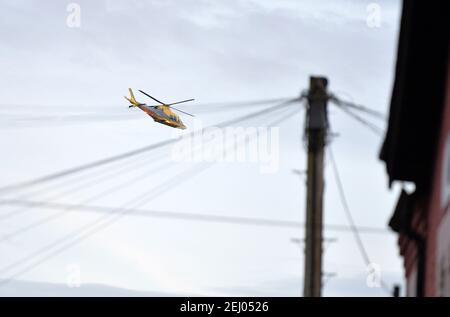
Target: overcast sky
{"x":213,"y":51}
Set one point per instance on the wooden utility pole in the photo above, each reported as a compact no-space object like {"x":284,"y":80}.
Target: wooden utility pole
{"x":315,"y":132}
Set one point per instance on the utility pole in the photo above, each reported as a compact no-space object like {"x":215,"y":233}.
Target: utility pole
{"x":315,"y":132}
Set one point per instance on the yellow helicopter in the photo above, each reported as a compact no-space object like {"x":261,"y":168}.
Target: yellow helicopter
{"x":161,"y":113}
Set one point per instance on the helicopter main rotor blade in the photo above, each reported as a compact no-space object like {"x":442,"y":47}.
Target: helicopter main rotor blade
{"x":175,"y":103}
{"x":169,"y":105}
{"x":182,"y":111}
{"x":143,"y":92}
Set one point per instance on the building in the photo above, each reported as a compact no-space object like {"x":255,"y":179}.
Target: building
{"x":416,"y":148}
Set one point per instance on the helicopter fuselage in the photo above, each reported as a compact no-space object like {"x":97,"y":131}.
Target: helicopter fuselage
{"x":164,"y":115}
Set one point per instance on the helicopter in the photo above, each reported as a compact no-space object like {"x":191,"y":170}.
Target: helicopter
{"x":160,"y":113}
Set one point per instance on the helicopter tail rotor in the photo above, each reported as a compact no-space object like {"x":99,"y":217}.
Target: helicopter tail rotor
{"x":132,"y":100}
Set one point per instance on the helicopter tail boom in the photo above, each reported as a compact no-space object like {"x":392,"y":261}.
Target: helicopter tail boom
{"x":132,"y":100}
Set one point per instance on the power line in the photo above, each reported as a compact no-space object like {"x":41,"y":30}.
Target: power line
{"x":97,"y":225}
{"x":284,"y":117}
{"x":233,"y":105}
{"x":364,"y":109}
{"x":93,"y":180}
{"x":106,"y":192}
{"x":63,"y":212}
{"x":154,"y":146}
{"x":107,"y":107}
{"x":80,"y":168}
{"x":366,"y":123}
{"x":86,"y":231}
{"x":187,"y":216}
{"x":78,"y":186}
{"x":92,"y":198}
{"x":22,"y":119}
{"x":13,"y":120}
{"x":348,"y":214}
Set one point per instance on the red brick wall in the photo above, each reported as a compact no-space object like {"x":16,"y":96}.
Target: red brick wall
{"x":408,"y":247}
{"x":435,"y":211}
